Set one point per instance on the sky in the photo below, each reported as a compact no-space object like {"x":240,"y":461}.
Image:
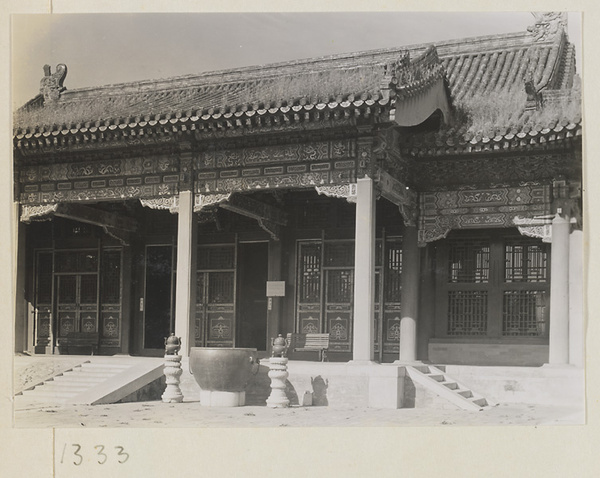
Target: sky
{"x":101,"y":49}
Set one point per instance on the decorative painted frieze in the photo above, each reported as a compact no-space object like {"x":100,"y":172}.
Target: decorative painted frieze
{"x":445,"y":174}
{"x":442,"y":211}
{"x":289,"y":153}
{"x":275,"y":181}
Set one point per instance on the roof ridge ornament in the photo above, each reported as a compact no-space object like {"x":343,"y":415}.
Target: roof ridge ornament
{"x":51,"y":85}
{"x":548,"y":25}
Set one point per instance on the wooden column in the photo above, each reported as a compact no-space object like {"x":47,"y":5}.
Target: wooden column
{"x":364,"y":272}
{"x":409,"y":295}
{"x":24,"y":328}
{"x":559,"y":291}
{"x":186,"y":273}
{"x":576,"y":323}
{"x":274,"y":304}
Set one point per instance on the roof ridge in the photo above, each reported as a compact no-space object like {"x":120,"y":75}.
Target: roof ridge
{"x":268,"y":70}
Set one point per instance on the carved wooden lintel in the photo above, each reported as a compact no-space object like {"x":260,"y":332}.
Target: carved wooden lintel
{"x":399,"y":194}
{"x":203,"y":201}
{"x":169,"y":203}
{"x":342,"y":191}
{"x":41,"y":212}
{"x":430,"y":235}
{"x":540,"y":228}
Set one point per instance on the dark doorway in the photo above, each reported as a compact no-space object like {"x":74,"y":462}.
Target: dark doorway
{"x":158,"y":296}
{"x":252,"y":299}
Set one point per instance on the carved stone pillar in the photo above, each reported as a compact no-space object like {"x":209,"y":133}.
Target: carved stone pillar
{"x":278,"y":374}
{"x":172,"y":371}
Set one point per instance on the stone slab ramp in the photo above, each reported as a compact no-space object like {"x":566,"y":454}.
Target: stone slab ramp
{"x":97,"y":380}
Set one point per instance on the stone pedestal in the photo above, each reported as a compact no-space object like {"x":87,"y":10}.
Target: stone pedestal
{"x":172,"y":371}
{"x":215,"y":398}
{"x":278,"y":374}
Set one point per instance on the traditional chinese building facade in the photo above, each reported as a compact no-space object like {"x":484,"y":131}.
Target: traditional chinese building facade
{"x":414,"y":203}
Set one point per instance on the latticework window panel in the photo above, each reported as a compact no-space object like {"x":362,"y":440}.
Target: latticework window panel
{"x":310,"y":273}
{"x":339,"y":286}
{"x":220,"y":288}
{"x":467,"y":312}
{"x":111,"y":277}
{"x":339,"y":254}
{"x":524,"y":313}
{"x":217,"y":257}
{"x":77,"y":261}
{"x":525,"y":262}
{"x":393,"y":273}
{"x":44,"y":278}
{"x":469,"y":261}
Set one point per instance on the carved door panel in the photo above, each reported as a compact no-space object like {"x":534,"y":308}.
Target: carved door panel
{"x":391,"y":293}
{"x":338,"y":308}
{"x":77,"y":304}
{"x":309,"y":287}
{"x":158,"y":297}
{"x":44,"y":299}
{"x":215,"y":297}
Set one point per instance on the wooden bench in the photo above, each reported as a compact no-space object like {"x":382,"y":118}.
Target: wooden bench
{"x":83,"y":339}
{"x":309,"y":343}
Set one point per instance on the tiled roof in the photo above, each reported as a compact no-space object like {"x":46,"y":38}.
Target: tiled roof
{"x":475,"y":66}
{"x":557,"y":122}
{"x":295,"y":86}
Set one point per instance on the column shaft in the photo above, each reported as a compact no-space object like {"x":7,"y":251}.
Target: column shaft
{"x":559,"y":292}
{"x":364,"y":272}
{"x":186,"y":242}
{"x":576,"y":323}
{"x":409,"y":295}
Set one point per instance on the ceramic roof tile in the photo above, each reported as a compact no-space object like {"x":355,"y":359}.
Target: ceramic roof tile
{"x":476,"y":66}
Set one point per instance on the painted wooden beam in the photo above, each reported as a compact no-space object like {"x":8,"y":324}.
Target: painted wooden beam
{"x":90,"y":215}
{"x":247,"y":206}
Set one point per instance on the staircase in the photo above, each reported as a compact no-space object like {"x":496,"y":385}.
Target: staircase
{"x":435,"y":379}
{"x":97,"y":380}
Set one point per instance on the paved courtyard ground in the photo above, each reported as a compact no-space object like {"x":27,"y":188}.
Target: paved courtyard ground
{"x":31,"y":370}
{"x":192,"y":414}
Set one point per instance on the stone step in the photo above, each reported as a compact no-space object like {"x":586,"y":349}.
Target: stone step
{"x":103,"y":366}
{"x":39,"y":394}
{"x":482,"y":402}
{"x":94,"y":373}
{"x":450,"y":385}
{"x":67,"y":386}
{"x":436,"y":377}
{"x":79,"y":378}
{"x":465,"y":393}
